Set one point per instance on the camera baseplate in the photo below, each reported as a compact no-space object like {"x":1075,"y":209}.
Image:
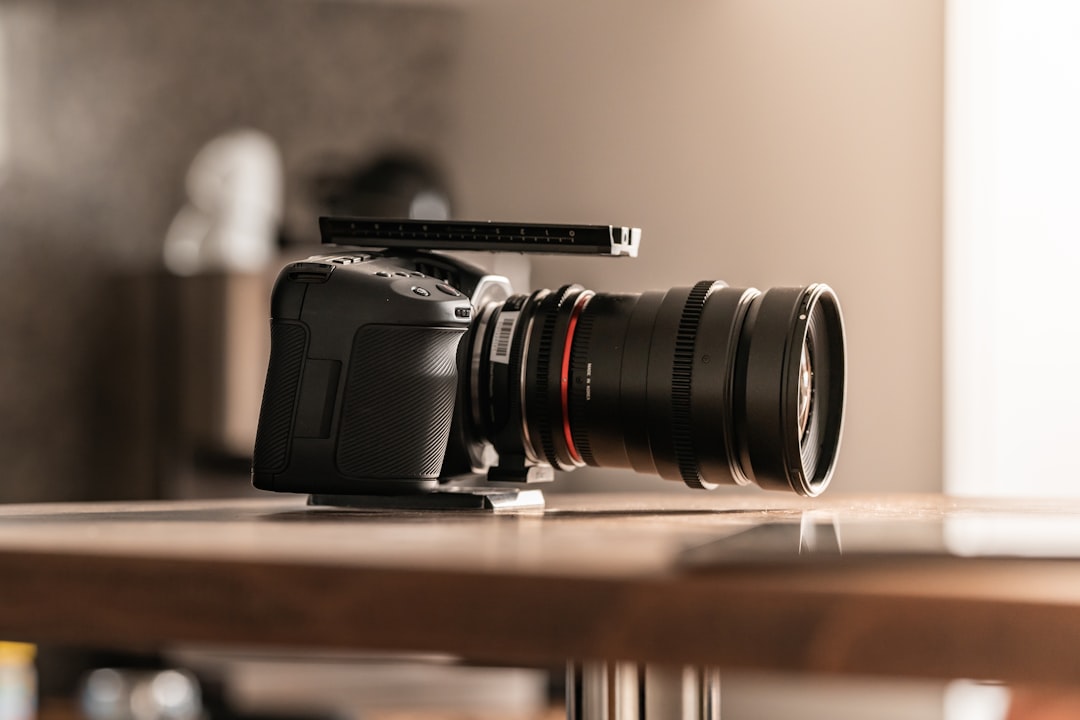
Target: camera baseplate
{"x":449,"y":498}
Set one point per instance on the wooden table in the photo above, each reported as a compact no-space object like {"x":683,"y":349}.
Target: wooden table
{"x":648,"y":579}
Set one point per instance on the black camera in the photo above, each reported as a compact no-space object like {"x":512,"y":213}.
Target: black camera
{"x":396,"y":369}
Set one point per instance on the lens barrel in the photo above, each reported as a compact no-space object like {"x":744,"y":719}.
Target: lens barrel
{"x":707,"y":384}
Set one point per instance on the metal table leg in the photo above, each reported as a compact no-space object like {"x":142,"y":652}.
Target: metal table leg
{"x":625,"y":691}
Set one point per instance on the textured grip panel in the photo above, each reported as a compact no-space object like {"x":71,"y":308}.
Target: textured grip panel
{"x":399,"y":400}
{"x":288,"y":343}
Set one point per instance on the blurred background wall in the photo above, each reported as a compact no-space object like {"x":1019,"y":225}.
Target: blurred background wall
{"x":103,"y":104}
{"x":762,"y":143}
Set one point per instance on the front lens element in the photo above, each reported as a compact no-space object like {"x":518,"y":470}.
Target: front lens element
{"x":806,"y":389}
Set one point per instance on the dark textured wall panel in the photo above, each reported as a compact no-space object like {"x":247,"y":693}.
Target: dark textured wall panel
{"x":104,"y":105}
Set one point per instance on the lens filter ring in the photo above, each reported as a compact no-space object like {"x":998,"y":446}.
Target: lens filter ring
{"x":825,"y":346}
{"x":791,"y":329}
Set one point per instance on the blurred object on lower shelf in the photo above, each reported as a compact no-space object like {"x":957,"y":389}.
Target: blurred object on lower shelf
{"x":214,"y":344}
{"x":18,"y":681}
{"x":188,"y":367}
{"x":369,"y":687}
{"x":222,"y":327}
{"x":125,"y":694}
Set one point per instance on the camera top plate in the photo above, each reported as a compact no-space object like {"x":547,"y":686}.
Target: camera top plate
{"x":603,"y":240}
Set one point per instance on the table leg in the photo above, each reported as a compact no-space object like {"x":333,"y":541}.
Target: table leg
{"x":625,"y":691}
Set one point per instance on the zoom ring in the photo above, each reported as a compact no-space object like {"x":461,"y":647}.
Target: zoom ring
{"x":681,"y":380}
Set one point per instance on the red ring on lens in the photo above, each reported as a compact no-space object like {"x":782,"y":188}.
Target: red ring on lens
{"x":564,"y":376}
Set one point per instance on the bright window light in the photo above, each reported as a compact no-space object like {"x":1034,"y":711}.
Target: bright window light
{"x":1012,"y":260}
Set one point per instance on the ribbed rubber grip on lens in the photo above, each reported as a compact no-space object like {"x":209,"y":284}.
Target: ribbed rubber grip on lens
{"x":288,"y":342}
{"x":681,"y":384}
{"x":580,"y":351}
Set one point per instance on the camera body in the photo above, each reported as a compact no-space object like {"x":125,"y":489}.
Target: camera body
{"x":363,"y":381}
{"x":395,"y":369}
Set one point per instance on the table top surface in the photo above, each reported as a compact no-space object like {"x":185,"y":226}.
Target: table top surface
{"x":918,"y":586}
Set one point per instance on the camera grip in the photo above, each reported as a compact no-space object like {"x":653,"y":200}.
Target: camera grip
{"x":288,"y":346}
{"x":399,"y":401}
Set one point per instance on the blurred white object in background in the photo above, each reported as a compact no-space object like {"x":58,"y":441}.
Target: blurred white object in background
{"x":235,"y":196}
{"x":124,"y":694}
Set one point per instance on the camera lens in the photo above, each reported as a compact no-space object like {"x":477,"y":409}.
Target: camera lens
{"x":707,"y":384}
{"x":806,"y":388}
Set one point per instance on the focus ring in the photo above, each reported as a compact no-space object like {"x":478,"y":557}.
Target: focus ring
{"x":681,"y":385}
{"x":579,"y":391}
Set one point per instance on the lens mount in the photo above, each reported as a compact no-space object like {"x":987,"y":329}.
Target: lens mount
{"x":497,"y":353}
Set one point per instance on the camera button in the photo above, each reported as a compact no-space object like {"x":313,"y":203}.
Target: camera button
{"x":444,"y":288}
{"x":422,"y":292}
{"x":402,"y":274}
{"x":383,"y":273}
